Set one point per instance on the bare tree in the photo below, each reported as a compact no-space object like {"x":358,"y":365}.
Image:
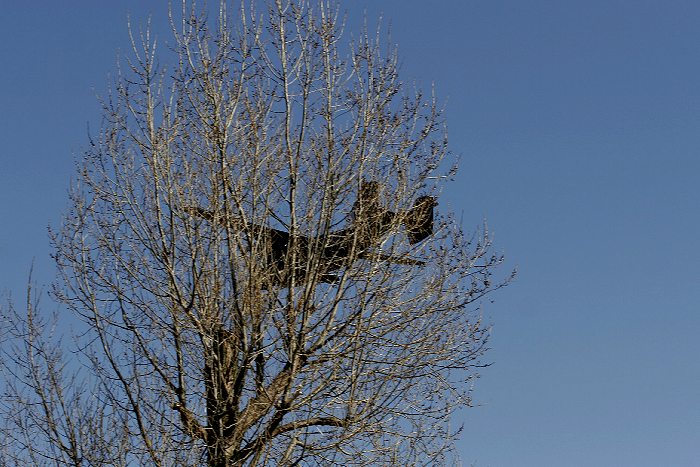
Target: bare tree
{"x":254,"y":250}
{"x":51,"y":412}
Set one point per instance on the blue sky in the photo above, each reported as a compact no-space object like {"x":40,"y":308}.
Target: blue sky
{"x":578,"y":126}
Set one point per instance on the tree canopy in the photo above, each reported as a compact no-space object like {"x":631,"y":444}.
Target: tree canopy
{"x":255,"y":249}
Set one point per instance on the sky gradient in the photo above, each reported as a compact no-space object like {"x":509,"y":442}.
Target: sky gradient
{"x":578,"y":126}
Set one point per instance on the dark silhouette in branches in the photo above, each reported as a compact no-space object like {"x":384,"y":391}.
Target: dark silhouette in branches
{"x":371,"y":223}
{"x":419,"y":219}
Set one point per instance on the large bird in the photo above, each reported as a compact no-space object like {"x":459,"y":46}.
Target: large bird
{"x":371,"y":222}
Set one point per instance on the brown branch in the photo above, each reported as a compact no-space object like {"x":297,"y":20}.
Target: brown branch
{"x":317,"y":421}
{"x":263,"y":402}
{"x":190,"y":423}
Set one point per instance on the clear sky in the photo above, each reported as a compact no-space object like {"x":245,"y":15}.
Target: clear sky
{"x":578,"y":124}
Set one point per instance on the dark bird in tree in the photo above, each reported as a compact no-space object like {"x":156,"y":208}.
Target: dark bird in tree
{"x":371,"y":222}
{"x":419,"y":219}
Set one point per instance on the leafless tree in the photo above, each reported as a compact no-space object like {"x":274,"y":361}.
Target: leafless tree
{"x":254,"y":250}
{"x":51,"y":412}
